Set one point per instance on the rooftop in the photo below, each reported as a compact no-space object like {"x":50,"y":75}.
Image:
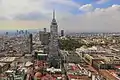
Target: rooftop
{"x":7,"y":59}
{"x":2,"y":64}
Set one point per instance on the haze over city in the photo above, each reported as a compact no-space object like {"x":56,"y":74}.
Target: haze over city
{"x":72,"y":15}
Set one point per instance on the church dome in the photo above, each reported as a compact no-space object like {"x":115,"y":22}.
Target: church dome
{"x":38,"y":75}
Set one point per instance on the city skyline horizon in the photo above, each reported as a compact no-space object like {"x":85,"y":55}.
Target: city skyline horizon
{"x":12,"y":32}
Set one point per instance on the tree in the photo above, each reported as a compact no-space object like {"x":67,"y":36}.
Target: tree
{"x":69,"y":44}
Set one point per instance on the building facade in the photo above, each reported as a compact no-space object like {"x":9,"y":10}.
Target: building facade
{"x":44,"y":37}
{"x":53,"y":56}
{"x":30,"y":43}
{"x":62,"y":32}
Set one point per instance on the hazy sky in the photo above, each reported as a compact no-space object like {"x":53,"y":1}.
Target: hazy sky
{"x":72,"y":15}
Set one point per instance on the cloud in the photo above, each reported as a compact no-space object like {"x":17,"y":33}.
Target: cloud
{"x":30,"y":16}
{"x":102,"y":1}
{"x":87,"y":7}
{"x":100,"y":20}
{"x":23,"y":24}
{"x":13,"y":8}
{"x":36,"y":14}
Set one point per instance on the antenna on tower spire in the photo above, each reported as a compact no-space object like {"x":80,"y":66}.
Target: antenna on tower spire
{"x":53,"y":13}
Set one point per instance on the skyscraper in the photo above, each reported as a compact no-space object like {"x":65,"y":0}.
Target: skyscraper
{"x":53,"y":45}
{"x":54,"y":36}
{"x":62,"y":32}
{"x":30,"y":43}
{"x":45,"y":30}
{"x":44,"y":37}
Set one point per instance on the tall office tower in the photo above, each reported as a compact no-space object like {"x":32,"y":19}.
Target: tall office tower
{"x":30,"y":43}
{"x":62,"y":32}
{"x":6,"y":33}
{"x":53,"y":45}
{"x":44,"y":37}
{"x":26,"y":32}
{"x":45,"y":30}
{"x":54,"y":36}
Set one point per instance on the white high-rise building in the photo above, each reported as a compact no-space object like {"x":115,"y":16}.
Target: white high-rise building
{"x":53,"y":45}
{"x":53,"y":37}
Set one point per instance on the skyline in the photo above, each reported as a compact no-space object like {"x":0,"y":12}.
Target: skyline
{"x":71,"y":15}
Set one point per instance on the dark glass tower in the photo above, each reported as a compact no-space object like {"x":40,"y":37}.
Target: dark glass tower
{"x":30,"y":43}
{"x":62,"y":32}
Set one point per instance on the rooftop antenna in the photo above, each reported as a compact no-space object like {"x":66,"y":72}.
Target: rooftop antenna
{"x":53,"y":13}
